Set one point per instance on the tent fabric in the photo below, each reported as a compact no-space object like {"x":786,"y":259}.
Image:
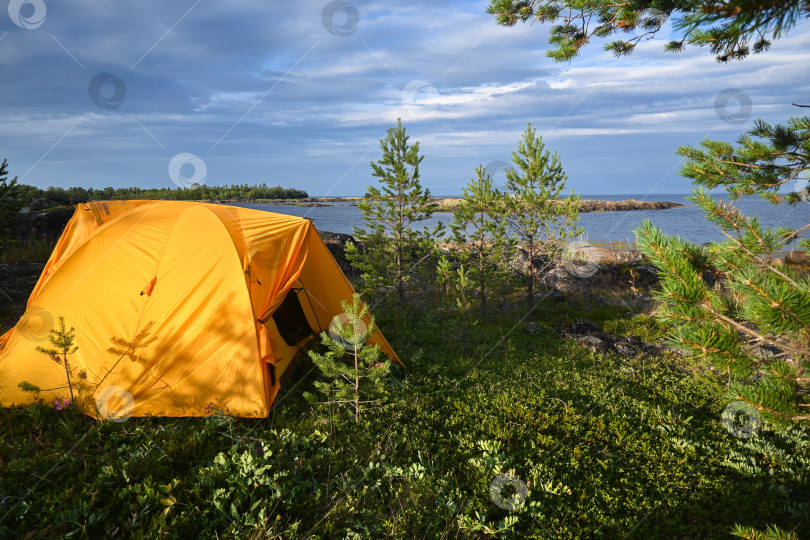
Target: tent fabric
{"x":172,"y":304}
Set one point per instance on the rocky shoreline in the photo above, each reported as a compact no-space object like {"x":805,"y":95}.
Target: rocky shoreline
{"x":449,"y":204}
{"x":585,"y":206}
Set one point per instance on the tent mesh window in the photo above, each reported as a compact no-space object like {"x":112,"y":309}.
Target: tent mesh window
{"x":291,"y":321}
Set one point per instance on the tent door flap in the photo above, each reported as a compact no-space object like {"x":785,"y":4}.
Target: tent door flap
{"x":291,"y":320}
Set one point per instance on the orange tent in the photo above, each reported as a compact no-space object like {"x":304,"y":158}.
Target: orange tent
{"x":176,"y":306}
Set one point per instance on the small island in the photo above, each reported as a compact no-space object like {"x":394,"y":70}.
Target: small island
{"x":448,"y":204}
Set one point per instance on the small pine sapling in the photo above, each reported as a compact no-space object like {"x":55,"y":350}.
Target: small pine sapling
{"x":481,"y":241}
{"x":540,"y":216}
{"x":457,"y":286}
{"x":354,"y":372}
{"x":62,"y":339}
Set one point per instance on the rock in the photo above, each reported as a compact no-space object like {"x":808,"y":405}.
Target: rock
{"x":634,"y":341}
{"x":587,"y":278}
{"x":712,"y":277}
{"x":601,"y":253}
{"x":593,"y":343}
{"x":36,"y":204}
{"x":448,"y":204}
{"x":797,"y":257}
{"x":592,"y":299}
{"x":589,"y":335}
{"x":531,"y":328}
{"x":766,"y":352}
{"x":336,"y":244}
{"x":520,"y":263}
{"x":582,"y":327}
{"x":630,"y":204}
{"x":551,"y":296}
{"x":625,"y":349}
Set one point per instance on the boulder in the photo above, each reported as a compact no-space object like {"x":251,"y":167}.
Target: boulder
{"x":798,"y":257}
{"x":551,"y":296}
{"x":520,"y":262}
{"x":531,"y":328}
{"x":594,"y":343}
{"x":626,"y":349}
{"x":336,"y":244}
{"x":37,"y":204}
{"x":582,"y":327}
{"x":586,"y":278}
{"x":589,"y":335}
{"x":601,"y":253}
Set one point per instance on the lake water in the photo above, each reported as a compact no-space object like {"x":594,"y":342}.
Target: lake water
{"x":687,"y":222}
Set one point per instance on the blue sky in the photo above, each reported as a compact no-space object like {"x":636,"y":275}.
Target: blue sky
{"x":298,"y":94}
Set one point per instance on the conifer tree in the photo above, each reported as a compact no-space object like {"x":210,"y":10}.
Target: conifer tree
{"x":61,"y":340}
{"x":10,"y":202}
{"x":456,"y":285}
{"x":757,"y":302}
{"x":480,"y":238}
{"x":354,"y":371}
{"x":731,"y":29}
{"x":540,"y":219}
{"x":394,"y":251}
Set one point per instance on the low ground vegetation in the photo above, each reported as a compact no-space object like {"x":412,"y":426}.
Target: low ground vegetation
{"x":604,"y":445}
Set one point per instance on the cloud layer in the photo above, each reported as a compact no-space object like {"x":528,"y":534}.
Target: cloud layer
{"x":299,"y":94}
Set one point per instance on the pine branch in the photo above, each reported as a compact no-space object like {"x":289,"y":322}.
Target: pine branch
{"x":742,"y":328}
{"x":764,"y":262}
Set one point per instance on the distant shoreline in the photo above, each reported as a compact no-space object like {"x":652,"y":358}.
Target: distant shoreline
{"x":449,"y":204}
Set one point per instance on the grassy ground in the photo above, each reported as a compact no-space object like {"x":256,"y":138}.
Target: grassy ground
{"x":13,"y":289}
{"x":33,"y":251}
{"x":606,"y":447}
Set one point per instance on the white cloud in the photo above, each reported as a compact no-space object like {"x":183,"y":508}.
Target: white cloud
{"x":313,"y":101}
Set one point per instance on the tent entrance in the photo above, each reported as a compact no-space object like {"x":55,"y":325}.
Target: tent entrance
{"x":291,"y":321}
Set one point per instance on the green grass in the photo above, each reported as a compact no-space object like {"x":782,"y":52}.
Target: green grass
{"x":607,"y":447}
{"x":33,"y":251}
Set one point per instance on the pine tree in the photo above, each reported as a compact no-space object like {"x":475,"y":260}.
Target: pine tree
{"x":541,"y":220}
{"x":732,"y":29}
{"x":61,"y":339}
{"x":355,"y":373}
{"x":481,"y":240}
{"x":457,"y":285}
{"x":394,"y":252}
{"x":755,"y":302}
{"x":10,"y":202}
